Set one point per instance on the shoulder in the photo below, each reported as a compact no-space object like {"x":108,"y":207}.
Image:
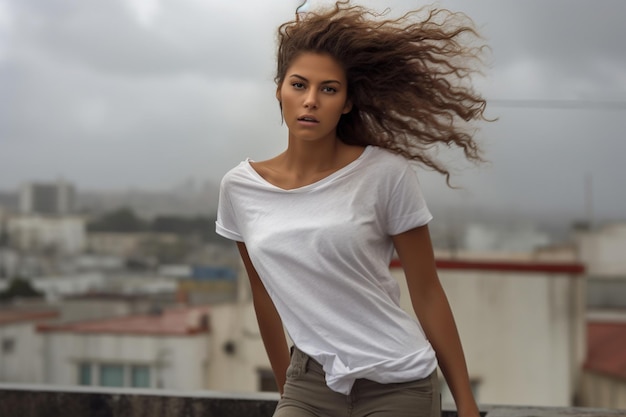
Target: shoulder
{"x":385,"y":161}
{"x":236,"y":175}
{"x":383,"y":172}
{"x":393,"y":172}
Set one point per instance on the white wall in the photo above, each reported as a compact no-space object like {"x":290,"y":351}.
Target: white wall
{"x":237,"y":372}
{"x":176,"y":362}
{"x":603,"y":251}
{"x":522,"y":333}
{"x":55,"y":288}
{"x":24,"y":362}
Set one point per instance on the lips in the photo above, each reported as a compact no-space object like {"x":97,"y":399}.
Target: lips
{"x":308,"y":118}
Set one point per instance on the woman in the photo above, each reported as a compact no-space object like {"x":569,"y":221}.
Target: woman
{"x":317,"y":225}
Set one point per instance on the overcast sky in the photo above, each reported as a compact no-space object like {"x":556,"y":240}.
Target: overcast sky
{"x":113,"y":94}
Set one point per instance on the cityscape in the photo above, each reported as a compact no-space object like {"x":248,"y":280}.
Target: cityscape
{"x":118,"y":295}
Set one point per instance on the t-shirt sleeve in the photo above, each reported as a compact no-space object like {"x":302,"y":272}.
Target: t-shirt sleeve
{"x":226,"y":224}
{"x":406,"y":207}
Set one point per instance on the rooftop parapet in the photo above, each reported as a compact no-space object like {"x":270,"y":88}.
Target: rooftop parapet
{"x":51,"y":401}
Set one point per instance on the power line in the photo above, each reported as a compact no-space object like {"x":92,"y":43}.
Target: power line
{"x":560,"y":104}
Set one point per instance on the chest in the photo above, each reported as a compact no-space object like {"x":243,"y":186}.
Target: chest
{"x":325,"y":221}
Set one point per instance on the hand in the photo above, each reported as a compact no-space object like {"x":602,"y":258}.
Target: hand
{"x":470,"y":411}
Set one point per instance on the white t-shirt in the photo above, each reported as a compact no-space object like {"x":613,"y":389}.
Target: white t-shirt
{"x":323,"y":253}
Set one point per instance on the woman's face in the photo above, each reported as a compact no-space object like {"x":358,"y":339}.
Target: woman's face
{"x":313,"y":96}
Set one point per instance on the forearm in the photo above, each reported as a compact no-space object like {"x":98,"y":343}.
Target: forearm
{"x":273,"y":335}
{"x":438,"y":323}
{"x":270,"y":324}
{"x":433,"y":311}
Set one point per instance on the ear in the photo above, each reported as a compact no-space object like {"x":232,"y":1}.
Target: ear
{"x":347,"y":107}
{"x":278,"y":97}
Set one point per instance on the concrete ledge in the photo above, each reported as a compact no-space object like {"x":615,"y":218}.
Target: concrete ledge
{"x":17,"y":400}
{"x":53,"y":401}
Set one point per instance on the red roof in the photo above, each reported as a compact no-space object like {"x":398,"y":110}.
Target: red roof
{"x":181,"y":321}
{"x":574,"y":268}
{"x":606,"y":348}
{"x":13,"y":316}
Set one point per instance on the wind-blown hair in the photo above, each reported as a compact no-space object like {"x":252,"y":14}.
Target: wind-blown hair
{"x":408,"y":78}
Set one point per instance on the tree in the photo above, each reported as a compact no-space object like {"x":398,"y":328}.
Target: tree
{"x":120,"y":220}
{"x":19,"y":288}
{"x":200,"y":226}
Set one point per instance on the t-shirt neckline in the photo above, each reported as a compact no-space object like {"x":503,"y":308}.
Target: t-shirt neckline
{"x":330,"y":177}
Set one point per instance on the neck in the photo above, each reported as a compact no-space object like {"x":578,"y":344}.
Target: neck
{"x":312,"y":157}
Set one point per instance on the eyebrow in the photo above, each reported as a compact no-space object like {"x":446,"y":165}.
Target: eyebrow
{"x":323,"y":82}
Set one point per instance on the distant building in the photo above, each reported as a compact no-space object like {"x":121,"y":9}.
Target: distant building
{"x":603,"y":250}
{"x":128,"y":244}
{"x":521,"y":323}
{"x":7,"y":256}
{"x":209,"y":285}
{"x":20,"y":347}
{"x":57,"y":234}
{"x":513,"y":238}
{"x":172,"y":347}
{"x":105,"y":305}
{"x":94,"y":262}
{"x":4,"y":216}
{"x":9,"y":201}
{"x":47,"y":198}
{"x":604,"y":377}
{"x":163,"y":350}
{"x":56,"y":288}
{"x":8,"y":263}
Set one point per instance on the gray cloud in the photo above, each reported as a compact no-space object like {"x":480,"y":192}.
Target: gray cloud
{"x":113,"y":94}
{"x":185,"y":36}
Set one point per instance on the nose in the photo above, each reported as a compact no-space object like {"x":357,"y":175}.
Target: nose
{"x":310,"y":101}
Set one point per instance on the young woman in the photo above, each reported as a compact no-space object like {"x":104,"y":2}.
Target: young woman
{"x":317,"y":226}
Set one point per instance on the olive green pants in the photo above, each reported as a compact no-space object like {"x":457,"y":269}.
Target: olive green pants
{"x":307,"y":395}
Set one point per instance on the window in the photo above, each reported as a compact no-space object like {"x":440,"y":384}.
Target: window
{"x":84,"y":373}
{"x":111,"y":375}
{"x":140,"y":376}
{"x":8,"y":345}
{"x":114,"y":375}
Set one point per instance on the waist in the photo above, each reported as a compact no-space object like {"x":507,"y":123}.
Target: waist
{"x":301,"y":363}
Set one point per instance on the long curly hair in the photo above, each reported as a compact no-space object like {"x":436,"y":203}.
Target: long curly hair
{"x":408,"y":78}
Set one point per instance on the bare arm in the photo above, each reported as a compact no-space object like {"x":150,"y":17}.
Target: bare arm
{"x":433,"y":311}
{"x":270,"y":324}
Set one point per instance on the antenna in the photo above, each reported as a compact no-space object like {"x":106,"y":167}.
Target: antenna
{"x":589,"y":198}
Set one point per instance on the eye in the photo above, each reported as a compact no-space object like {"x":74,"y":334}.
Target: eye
{"x":298,"y":85}
{"x":328,"y":89}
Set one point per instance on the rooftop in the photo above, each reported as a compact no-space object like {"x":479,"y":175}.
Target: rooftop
{"x":179,"y":321}
{"x":530,"y":266}
{"x":13,"y":316}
